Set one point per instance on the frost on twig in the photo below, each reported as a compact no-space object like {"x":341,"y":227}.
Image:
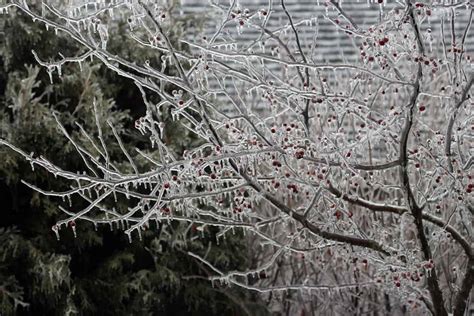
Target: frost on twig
{"x":344,"y":170}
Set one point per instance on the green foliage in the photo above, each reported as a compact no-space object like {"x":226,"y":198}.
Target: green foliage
{"x":99,"y":272}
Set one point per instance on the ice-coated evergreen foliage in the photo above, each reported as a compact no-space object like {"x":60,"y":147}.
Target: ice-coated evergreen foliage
{"x":98,"y":273}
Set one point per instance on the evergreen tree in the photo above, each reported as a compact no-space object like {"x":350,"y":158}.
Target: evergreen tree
{"x":100,"y":271}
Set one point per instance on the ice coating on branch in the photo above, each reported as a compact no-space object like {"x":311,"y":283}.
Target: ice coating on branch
{"x":319,"y":159}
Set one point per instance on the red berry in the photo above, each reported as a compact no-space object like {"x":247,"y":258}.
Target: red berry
{"x":422,"y":108}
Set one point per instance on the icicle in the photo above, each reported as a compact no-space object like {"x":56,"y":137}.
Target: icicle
{"x":140,"y":234}
{"x":161,"y":126}
{"x":129,"y":237}
{"x":127,"y":193}
{"x":104,"y":35}
{"x":50,"y":74}
{"x":55,"y":229}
